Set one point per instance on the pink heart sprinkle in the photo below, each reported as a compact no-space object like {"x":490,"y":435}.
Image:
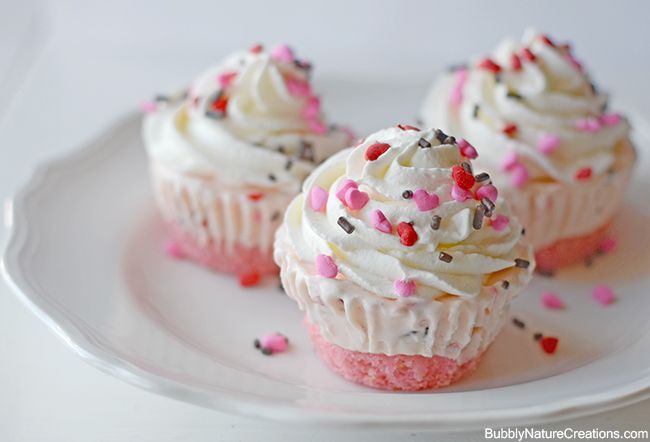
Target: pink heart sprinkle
{"x":355,"y":199}
{"x":519,"y":176}
{"x":488,"y":191}
{"x":225,"y":79}
{"x":548,"y":143}
{"x":425,"y":201}
{"x":459,"y":194}
{"x":173,"y":249}
{"x":610,"y":119}
{"x":603,"y":294}
{"x":282,"y":53}
{"x":326,"y":267}
{"x":318,"y":198}
{"x":298,"y":87}
{"x":380,"y":222}
{"x":609,"y":244}
{"x":148,"y":107}
{"x":317,"y":127}
{"x":456,"y":97}
{"x":552,"y":301}
{"x":345,"y":185}
{"x":311,"y":111}
{"x":510,"y":160}
{"x":588,"y":125}
{"x":404,"y":287}
{"x":274,"y":342}
{"x":500,"y":222}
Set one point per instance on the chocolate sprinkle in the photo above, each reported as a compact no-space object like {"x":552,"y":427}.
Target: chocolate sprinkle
{"x":288,"y":164}
{"x":475,"y":111}
{"x":518,"y":322}
{"x":280,"y":149}
{"x":594,"y":89}
{"x":440,"y":135}
{"x":345,"y":225}
{"x":537,"y":336}
{"x":479,"y":213}
{"x":272,"y":177}
{"x":521,"y":263}
{"x":523,"y":231}
{"x":514,"y":95}
{"x":467,"y":167}
{"x":215,"y":115}
{"x":424,"y":144}
{"x":306,"y":151}
{"x":545,"y":273}
{"x":275,"y":216}
{"x":450,"y":140}
{"x":407,"y":194}
{"x":256,"y":343}
{"x":505,"y":284}
{"x":482,"y":177}
{"x":446,"y":257}
{"x":426,"y":330}
{"x":162,"y":98}
{"x":489,"y":206}
{"x":267,"y":351}
{"x":435,"y":222}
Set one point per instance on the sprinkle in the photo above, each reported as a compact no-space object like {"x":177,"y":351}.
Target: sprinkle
{"x":544,"y":272}
{"x":588,"y":125}
{"x":500,"y":222}
{"x":317,"y":127}
{"x":445,"y":257}
{"x":514,"y":95}
{"x":326,"y":267}
{"x":440,"y":135}
{"x":488,"y":191}
{"x":489,"y":65}
{"x":276,"y":216}
{"x":376,"y":150}
{"x":464,"y":180}
{"x":449,"y":140}
{"x":603,"y":294}
{"x":523,"y":231}
{"x":489,"y":206}
{"x":345,"y":225}
{"x":609,"y":244}
{"x":407,"y":234}
{"x":425,"y":201}
{"x":282,"y":53}
{"x":344,"y":187}
{"x":355,"y":199}
{"x":225,"y":79}
{"x":311,"y":110}
{"x":404,"y":287}
{"x":479,"y":214}
{"x":298,"y":87}
{"x":528,"y":55}
{"x":249,"y":279}
{"x":306,"y":151}
{"x":459,"y":194}
{"x":407,"y":194}
{"x":548,"y":143}
{"x":583,"y":174}
{"x":272,"y":343}
{"x":552,"y":301}
{"x":467,"y":168}
{"x":435,"y":222}
{"x":475,"y":111}
{"x":148,"y":107}
{"x":256,"y":196}
{"x":424,"y":143}
{"x":610,"y":119}
{"x":519,"y":176}
{"x":483,"y":176}
{"x":467,"y":149}
{"x":288,"y":164}
{"x":505,"y":284}
{"x":510,"y":129}
{"x":537,"y":336}
{"x":515,"y":62}
{"x":318,"y":198}
{"x":521,"y":263}
{"x":256,"y":49}
{"x":174,"y":249}
{"x":456,"y":97}
{"x":408,"y":127}
{"x":272,"y":177}
{"x":549,"y":344}
{"x":380,"y":222}
{"x":547,"y":40}
{"x":518,"y":322}
{"x":162,"y":98}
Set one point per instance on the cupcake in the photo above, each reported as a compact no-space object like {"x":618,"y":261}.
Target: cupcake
{"x":547,"y":139}
{"x":228,"y":155}
{"x":404,"y":260}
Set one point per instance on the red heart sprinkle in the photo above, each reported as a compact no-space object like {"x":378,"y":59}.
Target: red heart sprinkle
{"x":462,"y":178}
{"x":376,"y":150}
{"x":220,"y":104}
{"x":515,"y":62}
{"x":547,"y":40}
{"x":255,"y":196}
{"x":256,"y":49}
{"x":583,"y":174}
{"x":408,"y":127}
{"x":489,"y":65}
{"x":509,"y":129}
{"x":549,"y":344}
{"x":528,"y":55}
{"x":249,"y":279}
{"x":407,"y":234}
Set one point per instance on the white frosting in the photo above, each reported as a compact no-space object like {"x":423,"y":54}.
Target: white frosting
{"x":263,"y":127}
{"x":556,"y":94}
{"x":374,"y":260}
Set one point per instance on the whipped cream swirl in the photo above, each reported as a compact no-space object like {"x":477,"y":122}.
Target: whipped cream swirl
{"x":406,"y":175}
{"x":533,"y":111}
{"x":253,"y":119}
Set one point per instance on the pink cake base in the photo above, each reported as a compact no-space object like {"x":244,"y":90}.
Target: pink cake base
{"x":571,"y":250}
{"x":397,"y":372}
{"x":240,"y":260}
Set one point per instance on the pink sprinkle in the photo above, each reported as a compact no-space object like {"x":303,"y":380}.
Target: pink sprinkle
{"x":548,"y":143}
{"x":404,"y":287}
{"x":345,"y":185}
{"x":609,"y":244}
{"x":552,"y":301}
{"x":355,"y":199}
{"x":500,"y":222}
{"x":311,"y":111}
{"x":282,"y":53}
{"x":318,"y":198}
{"x":325,"y":266}
{"x":610,"y":119}
{"x":275,"y":342}
{"x":317,"y":126}
{"x":466,"y":149}
{"x":298,"y":87}
{"x":488,"y":191}
{"x":173,"y":249}
{"x":603,"y":294}
{"x":456,"y":97}
{"x":380,"y":222}
{"x":148,"y":107}
{"x":510,"y":160}
{"x":425,"y":201}
{"x":519,"y":176}
{"x":225,"y":79}
{"x":459,"y":194}
{"x":588,"y":125}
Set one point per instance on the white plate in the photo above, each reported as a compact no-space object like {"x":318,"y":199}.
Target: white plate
{"x":85,"y":255}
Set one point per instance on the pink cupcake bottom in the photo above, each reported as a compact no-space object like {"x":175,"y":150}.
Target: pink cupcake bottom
{"x":570,"y":250}
{"x":237,"y":258}
{"x":396,"y":372}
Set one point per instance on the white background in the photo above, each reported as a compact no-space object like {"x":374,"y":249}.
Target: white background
{"x":68,"y":68}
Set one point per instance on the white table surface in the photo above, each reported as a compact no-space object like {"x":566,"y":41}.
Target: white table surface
{"x":67,"y":69}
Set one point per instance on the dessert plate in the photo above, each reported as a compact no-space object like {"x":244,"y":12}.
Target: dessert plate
{"x":85,"y":254}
